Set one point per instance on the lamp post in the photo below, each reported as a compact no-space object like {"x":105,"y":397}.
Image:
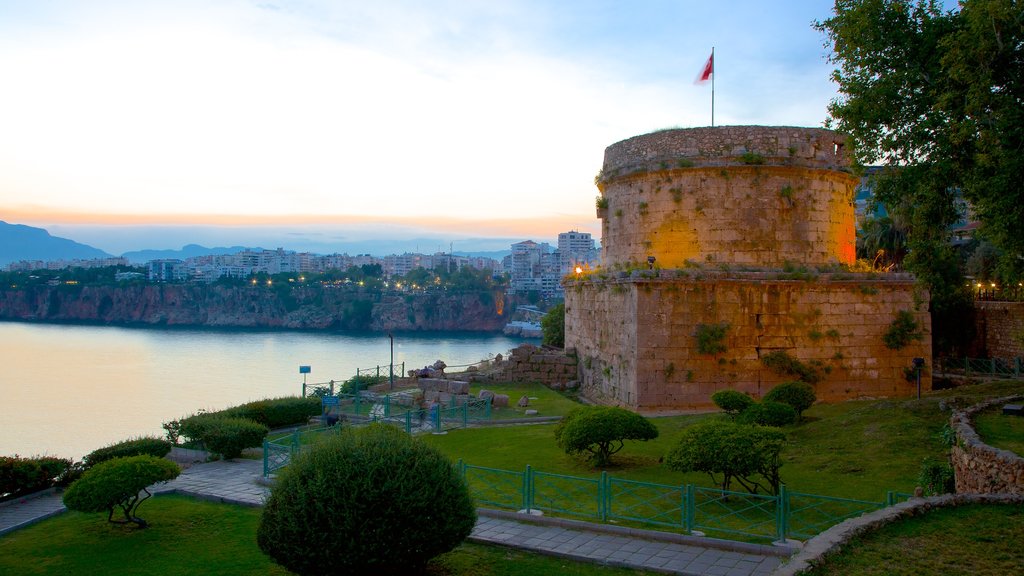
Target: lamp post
{"x":918,"y":364}
{"x":391,"y":366}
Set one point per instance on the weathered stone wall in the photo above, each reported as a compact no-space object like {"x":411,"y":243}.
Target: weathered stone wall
{"x":529,"y":363}
{"x":681,"y":195}
{"x":636,"y":335}
{"x":1001,"y":328}
{"x":980,"y":468}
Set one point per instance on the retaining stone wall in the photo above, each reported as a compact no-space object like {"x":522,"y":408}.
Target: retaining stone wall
{"x":998,"y":325}
{"x":980,"y":468}
{"x":528,"y":363}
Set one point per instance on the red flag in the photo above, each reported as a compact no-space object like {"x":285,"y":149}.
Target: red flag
{"x":709,"y":69}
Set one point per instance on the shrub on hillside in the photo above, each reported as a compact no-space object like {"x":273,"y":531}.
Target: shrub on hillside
{"x":732,"y":402}
{"x":601,"y":431}
{"x":119,"y":483}
{"x":366,"y":501}
{"x":277,"y":412}
{"x":552,"y":326}
{"x":799,"y":395}
{"x":768,"y":413}
{"x":936,"y":478}
{"x":134,"y":447}
{"x":729,"y":451}
{"x":20,"y":475}
{"x":223,"y":435}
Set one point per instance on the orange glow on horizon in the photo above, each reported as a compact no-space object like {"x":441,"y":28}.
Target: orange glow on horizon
{"x":540,"y":226}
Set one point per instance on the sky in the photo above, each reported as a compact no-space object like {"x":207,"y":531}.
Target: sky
{"x":139,"y":124}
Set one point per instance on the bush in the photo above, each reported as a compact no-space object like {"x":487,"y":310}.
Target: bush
{"x":601,"y":431}
{"x":747,"y":454}
{"x":134,"y":447}
{"x":732,"y":402}
{"x":936,"y":478}
{"x":552,"y":326}
{"x":276,"y":412}
{"x":119,"y":483}
{"x":223,"y":435}
{"x":781,"y":362}
{"x":799,"y":395}
{"x":20,"y":476}
{"x":360,"y":382}
{"x":768,"y":413}
{"x":366,"y":501}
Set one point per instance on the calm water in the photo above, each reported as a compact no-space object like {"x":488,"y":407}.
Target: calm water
{"x":67,"y":390}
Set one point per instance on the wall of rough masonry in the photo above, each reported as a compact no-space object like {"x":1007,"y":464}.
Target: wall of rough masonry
{"x":749,"y":228}
{"x":978,"y":467}
{"x":1000,"y":325}
{"x":636,"y":336}
{"x":529,"y":363}
{"x":692,"y":195}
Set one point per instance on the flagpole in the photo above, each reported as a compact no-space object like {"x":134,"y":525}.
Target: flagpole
{"x":713,"y":86}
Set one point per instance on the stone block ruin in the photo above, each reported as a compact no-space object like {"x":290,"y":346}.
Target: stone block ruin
{"x":727,"y":258}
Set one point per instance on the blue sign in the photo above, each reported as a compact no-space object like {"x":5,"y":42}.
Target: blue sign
{"x":304,"y":370}
{"x":331,"y":401}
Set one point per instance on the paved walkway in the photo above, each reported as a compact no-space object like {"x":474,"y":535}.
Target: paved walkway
{"x":241,"y":482}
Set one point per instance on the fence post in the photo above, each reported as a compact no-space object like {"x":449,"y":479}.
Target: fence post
{"x":604,"y":497}
{"x":295,"y":441}
{"x":528,"y":489}
{"x":357,"y":372}
{"x":437,"y":418}
{"x":387,"y":406}
{"x":332,"y":387}
{"x":782,"y":514}
{"x":967,"y":366}
{"x":465,"y":414}
{"x":408,"y":422}
{"x":1016,"y":367}
{"x":303,"y":389}
{"x":378,"y":370}
{"x":992,"y":363}
{"x":690,"y":501}
{"x":890,"y":498}
{"x":266,"y":460}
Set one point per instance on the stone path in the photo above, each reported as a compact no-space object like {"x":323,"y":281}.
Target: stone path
{"x":241,"y":482}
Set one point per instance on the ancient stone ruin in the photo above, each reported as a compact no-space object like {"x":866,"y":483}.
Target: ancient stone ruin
{"x":726,"y":264}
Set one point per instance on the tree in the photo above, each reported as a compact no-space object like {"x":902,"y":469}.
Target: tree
{"x":553,"y":326}
{"x":732,"y":402}
{"x":741,"y":452}
{"x":367,"y":501}
{"x":119,"y":483}
{"x":601,"y":431}
{"x":799,"y":395}
{"x":936,"y":97}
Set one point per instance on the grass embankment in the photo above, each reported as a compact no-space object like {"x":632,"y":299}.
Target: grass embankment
{"x":188,"y":536}
{"x":857,"y":449}
{"x":976,"y":540}
{"x":1001,"y":430}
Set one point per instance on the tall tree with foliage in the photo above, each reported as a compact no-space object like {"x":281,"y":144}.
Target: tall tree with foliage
{"x":937,"y":97}
{"x":552,"y":326}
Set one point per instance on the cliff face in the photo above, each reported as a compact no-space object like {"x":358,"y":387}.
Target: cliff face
{"x":306,"y":307}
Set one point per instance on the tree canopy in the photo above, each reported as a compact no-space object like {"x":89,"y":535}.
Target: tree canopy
{"x":937,"y":98}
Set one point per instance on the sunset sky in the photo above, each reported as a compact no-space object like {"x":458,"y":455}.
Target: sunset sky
{"x":450,"y":119}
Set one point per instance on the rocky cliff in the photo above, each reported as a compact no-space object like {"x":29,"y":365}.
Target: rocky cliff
{"x":302,"y":307}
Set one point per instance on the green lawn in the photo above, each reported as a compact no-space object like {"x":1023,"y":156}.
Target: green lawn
{"x":977,"y":540}
{"x":1000,"y":430}
{"x":544,"y":400}
{"x":856,"y":449}
{"x":188,"y":536}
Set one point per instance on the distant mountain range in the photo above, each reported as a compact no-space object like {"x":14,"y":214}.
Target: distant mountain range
{"x":20,"y":242}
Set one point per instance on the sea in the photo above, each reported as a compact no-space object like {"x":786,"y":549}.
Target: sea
{"x":66,"y":390}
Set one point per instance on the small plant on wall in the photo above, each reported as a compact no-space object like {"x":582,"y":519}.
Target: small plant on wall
{"x":902,"y":331}
{"x":643,"y":208}
{"x":782,"y":363}
{"x":752,"y":158}
{"x":711,"y":338}
{"x":601,"y":202}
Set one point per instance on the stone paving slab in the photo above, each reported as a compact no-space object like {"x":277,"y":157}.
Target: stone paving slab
{"x":241,"y":482}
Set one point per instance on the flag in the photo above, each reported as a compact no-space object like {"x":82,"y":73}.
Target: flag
{"x":709,"y":69}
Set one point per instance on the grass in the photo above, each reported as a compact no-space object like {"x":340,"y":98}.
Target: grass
{"x":188,"y":536}
{"x":1000,"y":430}
{"x":976,"y":540}
{"x":544,"y":400}
{"x":856,"y":449}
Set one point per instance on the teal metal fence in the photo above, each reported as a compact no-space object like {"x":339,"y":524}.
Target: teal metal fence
{"x":686,"y":507}
{"x":990,"y":367}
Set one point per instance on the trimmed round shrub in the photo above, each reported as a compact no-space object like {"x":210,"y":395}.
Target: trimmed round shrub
{"x":731,"y":452}
{"x":119,"y":483}
{"x":229,"y":436}
{"x":277,"y":412}
{"x":732,"y":402}
{"x":157,"y":447}
{"x":366,"y":501}
{"x":601,"y":431}
{"x":768,"y":413}
{"x":799,"y":395}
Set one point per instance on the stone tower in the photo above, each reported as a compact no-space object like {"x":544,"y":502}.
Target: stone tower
{"x":726,"y":264}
